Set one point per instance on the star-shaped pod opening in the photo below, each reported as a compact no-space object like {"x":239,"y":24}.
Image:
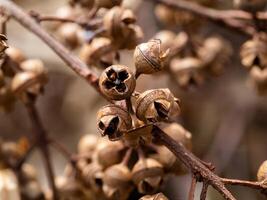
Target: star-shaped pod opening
{"x":116,"y":80}
{"x":111,"y":129}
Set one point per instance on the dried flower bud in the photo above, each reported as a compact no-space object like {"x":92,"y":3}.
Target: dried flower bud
{"x":157,"y":105}
{"x":149,"y":57}
{"x":15,"y":54}
{"x":93,"y":176}
{"x":117,"y":82}
{"x":117,"y":182}
{"x":9,"y":188}
{"x":68,"y":34}
{"x":158,"y":196}
{"x":87,"y":144}
{"x":259,"y":79}
{"x":147,"y":175}
{"x":3,"y":44}
{"x":187,"y":71}
{"x":32,"y":190}
{"x":250,"y":5}
{"x":107,"y":3}
{"x":109,"y":153}
{"x":262,"y":172}
{"x":98,"y":52}
{"x":254,"y":52}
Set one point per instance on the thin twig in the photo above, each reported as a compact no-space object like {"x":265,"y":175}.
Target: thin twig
{"x":204,"y":191}
{"x":191,"y":194}
{"x":25,"y":156}
{"x":41,"y":139}
{"x":255,"y":185}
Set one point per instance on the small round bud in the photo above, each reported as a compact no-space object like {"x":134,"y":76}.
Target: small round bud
{"x":147,"y":175}
{"x":15,"y":54}
{"x":158,"y":196}
{"x":262,"y":172}
{"x":117,"y":182}
{"x":68,"y":34}
{"x":157,"y":105}
{"x":109,"y":153}
{"x":187,"y":71}
{"x":107,"y":3}
{"x":87,"y":144}
{"x":250,"y":5}
{"x":254,"y":52}
{"x":149,"y":57}
{"x":113,"y":121}
{"x":117,"y":82}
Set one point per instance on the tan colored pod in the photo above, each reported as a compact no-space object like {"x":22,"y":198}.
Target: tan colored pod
{"x":117,"y":82}
{"x":158,"y":196}
{"x":262,"y":172}
{"x":15,"y":54}
{"x":87,"y":144}
{"x":258,"y":78}
{"x":157,"y":105}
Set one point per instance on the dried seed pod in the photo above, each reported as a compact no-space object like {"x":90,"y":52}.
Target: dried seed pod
{"x":32,"y":191}
{"x":259,"y":79}
{"x":107,"y":3}
{"x":262,"y":172}
{"x":3,"y":44}
{"x":9,"y":185}
{"x":117,"y":82}
{"x":15,"y":54}
{"x":68,"y":34}
{"x":215,"y":53}
{"x":87,"y":144}
{"x":10,"y":153}
{"x":169,"y":161}
{"x":98,"y":52}
{"x":27,"y":82}
{"x":167,"y":39}
{"x":250,"y":5}
{"x":117,"y":182}
{"x":254,"y":52}
{"x":35,"y":66}
{"x":157,"y":105}
{"x":149,"y":57}
{"x":158,"y":196}
{"x":187,"y":71}
{"x":93,"y":176}
{"x":109,"y":153}
{"x":165,"y":14}
{"x":28,"y":173}
{"x":147,"y":175}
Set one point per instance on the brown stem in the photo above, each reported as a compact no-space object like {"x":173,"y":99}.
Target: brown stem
{"x":42,"y":142}
{"x":204,"y":191}
{"x":71,"y":60}
{"x":229,"y":19}
{"x":201,"y":172}
{"x":255,"y":185}
{"x":191,"y":194}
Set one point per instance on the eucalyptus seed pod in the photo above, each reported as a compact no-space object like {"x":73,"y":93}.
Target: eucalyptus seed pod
{"x":259,"y":79}
{"x":92,"y":175}
{"x":147,"y":175}
{"x":158,"y":196}
{"x":157,"y":105}
{"x":32,"y":191}
{"x":109,"y":153}
{"x":187,"y":71}
{"x":262,"y":172}
{"x":98,"y":52}
{"x":27,"y":83}
{"x":15,"y":54}
{"x":28,"y":173}
{"x":10,"y":153}
{"x":149,"y":57}
{"x":254,"y":52}
{"x":35,"y":66}
{"x":250,"y":5}
{"x":87,"y":144}
{"x":107,"y":3}
{"x":167,"y":39}
{"x":3,"y":44}
{"x":9,"y":188}
{"x":68,"y":34}
{"x":215,"y":53}
{"x":117,"y":82}
{"x":117,"y":182}
{"x":165,"y":14}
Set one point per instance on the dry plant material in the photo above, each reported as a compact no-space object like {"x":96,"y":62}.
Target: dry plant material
{"x":158,"y":196}
{"x":262,"y":172}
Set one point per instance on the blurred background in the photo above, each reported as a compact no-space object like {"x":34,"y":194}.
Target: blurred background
{"x":226,"y":117}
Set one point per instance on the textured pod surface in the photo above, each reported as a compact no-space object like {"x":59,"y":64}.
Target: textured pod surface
{"x":149,"y":57}
{"x":117,"y":82}
{"x":147,"y":175}
{"x":158,"y":196}
{"x":262,"y":172}
{"x":254,"y":52}
{"x":113,"y":121}
{"x":157,"y":105}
